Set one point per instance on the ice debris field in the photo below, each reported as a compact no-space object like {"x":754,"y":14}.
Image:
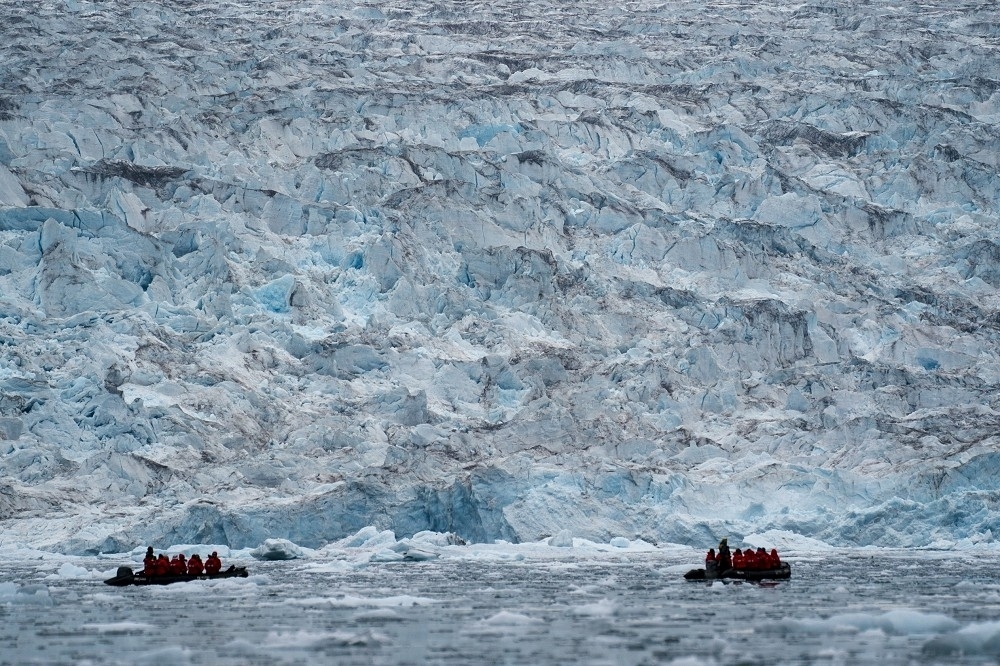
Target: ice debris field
{"x":374,"y":598}
{"x":663,"y":272}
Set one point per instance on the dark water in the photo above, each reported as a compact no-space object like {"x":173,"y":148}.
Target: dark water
{"x":635,"y":609}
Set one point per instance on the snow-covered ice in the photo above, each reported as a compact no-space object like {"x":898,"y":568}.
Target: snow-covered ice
{"x":564,"y":539}
{"x":277,"y":549}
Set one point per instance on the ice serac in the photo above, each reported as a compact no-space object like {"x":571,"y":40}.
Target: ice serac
{"x":672,"y":272}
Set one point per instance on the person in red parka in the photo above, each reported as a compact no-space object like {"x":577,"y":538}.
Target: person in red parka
{"x":775,"y":560}
{"x":195,"y":567}
{"x":710,"y":557}
{"x":739,"y":562}
{"x":149,"y":563}
{"x":213,"y":564}
{"x":763,"y":561}
{"x":178,"y":566}
{"x":162,"y":565}
{"x":749,"y":559}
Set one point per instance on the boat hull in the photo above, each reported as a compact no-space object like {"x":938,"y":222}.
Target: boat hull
{"x":125,"y":577}
{"x":784,"y":572}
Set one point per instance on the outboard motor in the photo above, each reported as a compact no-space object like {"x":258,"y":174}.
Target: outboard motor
{"x":122,"y":578}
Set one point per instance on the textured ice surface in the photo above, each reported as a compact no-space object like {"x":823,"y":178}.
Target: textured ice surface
{"x":477,"y":604}
{"x":277,"y":549}
{"x":668,"y":271}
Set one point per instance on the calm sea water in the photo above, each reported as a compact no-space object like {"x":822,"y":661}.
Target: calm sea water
{"x":633,"y":609}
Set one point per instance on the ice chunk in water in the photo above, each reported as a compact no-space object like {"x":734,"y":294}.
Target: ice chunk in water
{"x":277,"y":549}
{"x":564,"y":539}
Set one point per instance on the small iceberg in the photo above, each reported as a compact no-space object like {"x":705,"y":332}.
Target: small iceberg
{"x":414,"y":553}
{"x":562,"y":540}
{"x":277,"y":549}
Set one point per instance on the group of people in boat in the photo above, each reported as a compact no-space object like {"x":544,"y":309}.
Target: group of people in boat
{"x":161,"y":565}
{"x":743,"y":560}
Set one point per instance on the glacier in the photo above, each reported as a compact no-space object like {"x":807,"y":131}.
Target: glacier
{"x":657,"y":271}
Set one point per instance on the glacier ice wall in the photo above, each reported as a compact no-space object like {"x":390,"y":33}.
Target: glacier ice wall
{"x":675,"y":270}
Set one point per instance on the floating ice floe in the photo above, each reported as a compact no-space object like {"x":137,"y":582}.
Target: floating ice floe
{"x":508,"y":618}
{"x":977,"y":639}
{"x":320,"y":639}
{"x":564,"y":539}
{"x":352,"y":601}
{"x":124,"y":627}
{"x":386,"y":555}
{"x":602,"y":608}
{"x":68,"y":570}
{"x":503,"y":622}
{"x":368,"y":537}
{"x":278,"y":549}
{"x":895,"y":622}
{"x":415,"y":553}
{"x":31,"y":593}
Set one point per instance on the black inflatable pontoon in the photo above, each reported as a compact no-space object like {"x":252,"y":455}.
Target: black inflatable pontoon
{"x":783,"y":572}
{"x":125,"y":576}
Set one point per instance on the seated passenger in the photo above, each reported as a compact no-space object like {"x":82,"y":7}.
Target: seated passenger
{"x":763,"y":561}
{"x":195,"y":567}
{"x":710,"y":557}
{"x":178,"y":567}
{"x":149,"y":563}
{"x":775,"y":560}
{"x":739,"y":562}
{"x":162,"y":565}
{"x":213,"y":563}
{"x":749,"y":560}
